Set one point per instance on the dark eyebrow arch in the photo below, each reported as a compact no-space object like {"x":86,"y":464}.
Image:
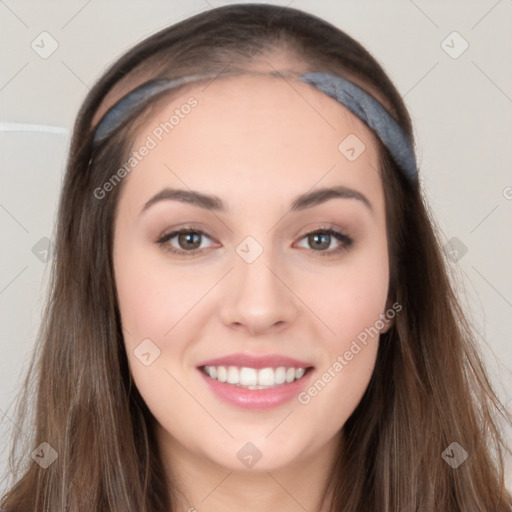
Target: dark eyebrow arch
{"x":325,"y":194}
{"x":214,"y":203}
{"x":187,"y":196}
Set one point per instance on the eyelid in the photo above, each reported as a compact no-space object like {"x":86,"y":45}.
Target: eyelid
{"x":165,"y":237}
{"x":345,"y":240}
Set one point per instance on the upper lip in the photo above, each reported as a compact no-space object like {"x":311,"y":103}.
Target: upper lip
{"x":253,"y":361}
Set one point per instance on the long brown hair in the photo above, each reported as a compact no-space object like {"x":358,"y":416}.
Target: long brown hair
{"x":429,"y":388}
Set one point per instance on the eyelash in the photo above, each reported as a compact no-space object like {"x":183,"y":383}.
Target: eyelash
{"x":345,"y":241}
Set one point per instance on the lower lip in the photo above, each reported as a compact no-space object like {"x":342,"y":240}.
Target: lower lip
{"x":257,"y":398}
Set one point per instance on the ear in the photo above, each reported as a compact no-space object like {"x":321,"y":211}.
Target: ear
{"x":389,"y":315}
{"x":387,"y":324}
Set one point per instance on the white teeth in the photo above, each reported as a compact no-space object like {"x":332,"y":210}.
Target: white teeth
{"x":252,"y":378}
{"x":233,"y":375}
{"x":222,"y":374}
{"x":266,"y":377}
{"x":248,"y":377}
{"x":280,"y":375}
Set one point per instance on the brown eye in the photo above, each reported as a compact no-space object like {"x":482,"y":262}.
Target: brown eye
{"x":184,"y":241}
{"x":190,"y":240}
{"x":320,"y":241}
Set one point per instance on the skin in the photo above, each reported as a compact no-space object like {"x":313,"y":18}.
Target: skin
{"x":256,"y":143}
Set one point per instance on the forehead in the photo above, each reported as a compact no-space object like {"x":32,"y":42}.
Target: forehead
{"x":254,"y":132}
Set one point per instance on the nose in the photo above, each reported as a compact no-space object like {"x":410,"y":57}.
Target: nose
{"x":258,"y":298}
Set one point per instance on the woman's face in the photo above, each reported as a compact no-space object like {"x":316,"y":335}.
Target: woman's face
{"x":248,"y":171}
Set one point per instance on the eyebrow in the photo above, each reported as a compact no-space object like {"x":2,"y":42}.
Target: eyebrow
{"x":214,"y":203}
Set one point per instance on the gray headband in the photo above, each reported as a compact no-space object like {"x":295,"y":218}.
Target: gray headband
{"x":359,"y":102}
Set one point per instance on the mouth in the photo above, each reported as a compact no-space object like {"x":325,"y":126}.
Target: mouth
{"x":254,"y":378}
{"x":255,"y":382}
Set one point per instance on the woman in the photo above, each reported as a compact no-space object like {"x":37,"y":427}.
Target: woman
{"x":249,"y":305}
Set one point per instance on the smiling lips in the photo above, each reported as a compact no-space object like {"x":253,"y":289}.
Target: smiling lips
{"x":255,"y":382}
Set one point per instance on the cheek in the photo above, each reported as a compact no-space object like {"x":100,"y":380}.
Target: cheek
{"x":350,"y":301}
{"x":153,"y":301}
{"x":153,"y":296}
{"x":352,"y":297}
